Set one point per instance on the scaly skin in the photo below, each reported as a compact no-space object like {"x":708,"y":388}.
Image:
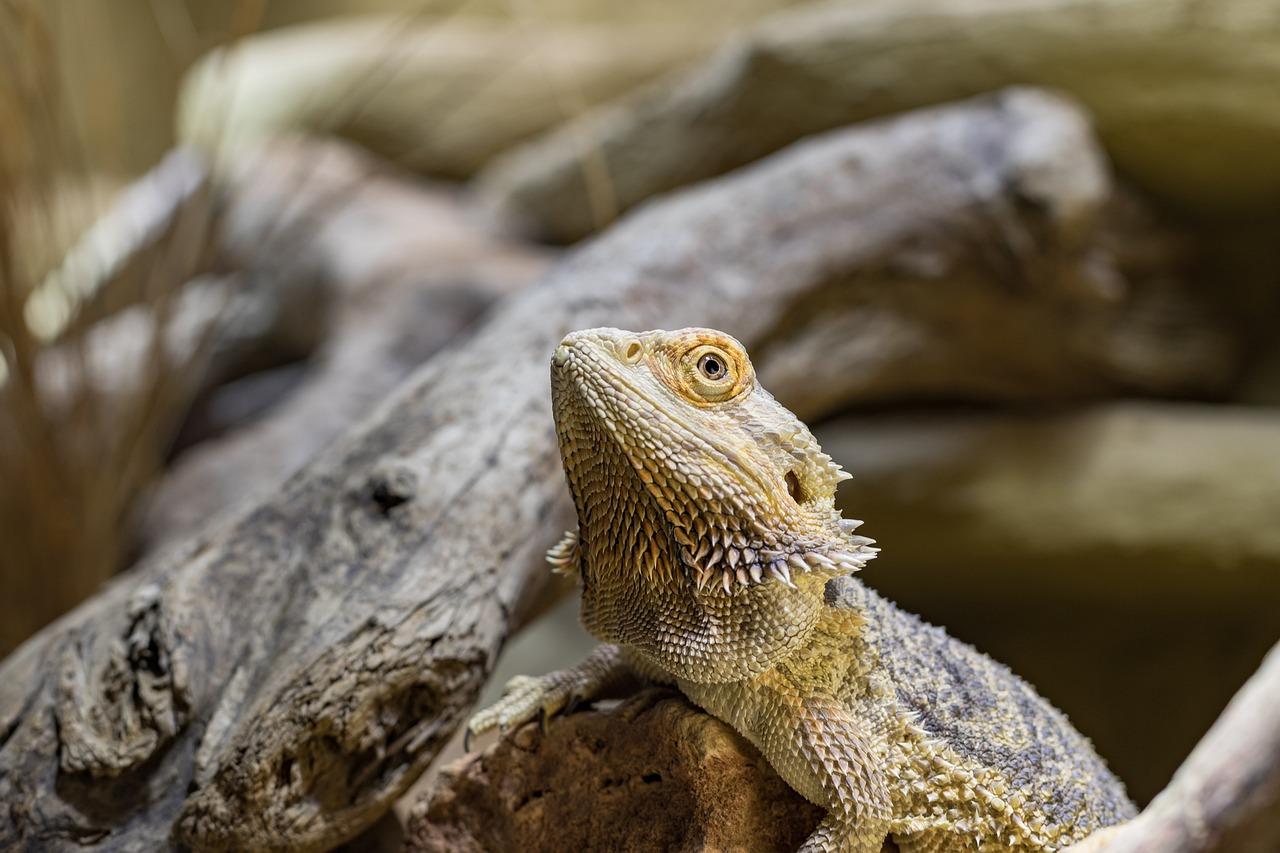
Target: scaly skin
{"x":711,"y":556}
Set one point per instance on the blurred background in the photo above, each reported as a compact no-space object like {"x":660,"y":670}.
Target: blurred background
{"x":217,"y":221}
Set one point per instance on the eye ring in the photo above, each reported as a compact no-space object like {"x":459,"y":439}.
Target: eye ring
{"x":713,"y":367}
{"x":711,"y":372}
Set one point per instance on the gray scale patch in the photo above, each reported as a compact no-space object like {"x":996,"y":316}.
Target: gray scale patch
{"x":988,"y":714}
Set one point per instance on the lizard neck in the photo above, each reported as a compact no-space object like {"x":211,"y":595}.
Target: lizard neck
{"x":637,"y":594}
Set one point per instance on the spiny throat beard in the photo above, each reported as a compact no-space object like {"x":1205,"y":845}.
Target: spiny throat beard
{"x":621,"y":531}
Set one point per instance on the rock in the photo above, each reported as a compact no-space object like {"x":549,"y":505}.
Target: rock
{"x":654,"y":773}
{"x":1210,"y":140}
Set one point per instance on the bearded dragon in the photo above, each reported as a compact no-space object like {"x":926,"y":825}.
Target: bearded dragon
{"x":711,"y":556}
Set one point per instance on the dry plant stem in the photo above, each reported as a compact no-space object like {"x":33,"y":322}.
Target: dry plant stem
{"x":72,"y":452}
{"x":114,"y":346}
{"x":1226,"y":796}
{"x":107,"y":348}
{"x":281,"y":680}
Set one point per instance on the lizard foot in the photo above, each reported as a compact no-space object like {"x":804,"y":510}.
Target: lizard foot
{"x":526,"y":697}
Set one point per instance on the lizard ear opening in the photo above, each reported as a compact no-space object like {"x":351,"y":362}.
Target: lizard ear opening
{"x":794,"y":488}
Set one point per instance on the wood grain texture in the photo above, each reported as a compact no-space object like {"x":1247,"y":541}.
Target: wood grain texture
{"x":411,"y":272}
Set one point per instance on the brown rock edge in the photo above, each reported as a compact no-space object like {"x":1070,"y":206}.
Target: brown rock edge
{"x":654,"y":773}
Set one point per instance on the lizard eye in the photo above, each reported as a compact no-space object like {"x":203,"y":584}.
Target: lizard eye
{"x":712,"y":367}
{"x":713,"y":374}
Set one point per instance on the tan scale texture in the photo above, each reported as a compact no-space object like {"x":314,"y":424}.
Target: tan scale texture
{"x":711,"y":555}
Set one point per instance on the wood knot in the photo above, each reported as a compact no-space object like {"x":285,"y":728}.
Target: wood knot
{"x":392,"y":485}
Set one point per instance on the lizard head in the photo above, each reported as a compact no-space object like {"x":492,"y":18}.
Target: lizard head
{"x":683,"y":469}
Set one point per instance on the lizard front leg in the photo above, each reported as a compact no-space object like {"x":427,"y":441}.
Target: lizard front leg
{"x":527,"y":697}
{"x":827,"y":744}
{"x":818,"y":748}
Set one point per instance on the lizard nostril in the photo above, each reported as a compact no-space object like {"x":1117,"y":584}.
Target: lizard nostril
{"x":631,"y":351}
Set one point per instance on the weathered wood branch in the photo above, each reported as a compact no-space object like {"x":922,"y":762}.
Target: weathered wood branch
{"x":113,"y":264}
{"x":410,"y":273}
{"x":1209,"y":141}
{"x":439,"y":95}
{"x":280,"y":680}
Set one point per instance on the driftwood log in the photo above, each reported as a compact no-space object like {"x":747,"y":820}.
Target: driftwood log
{"x":656,"y":773}
{"x":438,"y":95}
{"x":191,"y":278}
{"x":278,"y":681}
{"x":1208,"y":143}
{"x":409,"y":273}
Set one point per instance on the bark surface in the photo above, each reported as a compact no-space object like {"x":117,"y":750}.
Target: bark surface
{"x":410,"y":273}
{"x":278,"y":681}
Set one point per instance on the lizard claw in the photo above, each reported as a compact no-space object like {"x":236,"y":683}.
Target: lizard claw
{"x":544,"y":697}
{"x":524,"y":699}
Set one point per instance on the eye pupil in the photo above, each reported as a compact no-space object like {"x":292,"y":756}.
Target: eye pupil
{"x":712,"y":367}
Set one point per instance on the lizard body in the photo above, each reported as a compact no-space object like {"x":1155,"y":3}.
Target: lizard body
{"x":711,"y":556}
